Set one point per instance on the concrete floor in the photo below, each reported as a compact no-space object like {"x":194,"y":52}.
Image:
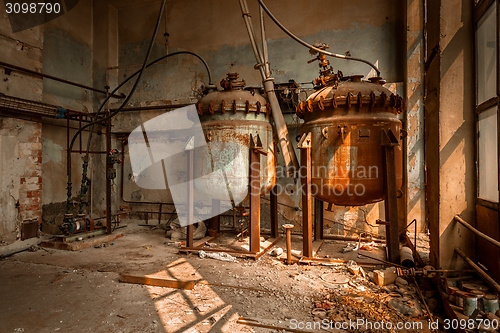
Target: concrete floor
{"x":52,"y":290}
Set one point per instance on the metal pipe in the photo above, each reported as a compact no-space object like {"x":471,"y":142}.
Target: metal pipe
{"x":479,"y":271}
{"x":50,"y":77}
{"x":300,"y":41}
{"x":288,"y":228}
{"x":459,"y":219}
{"x":264,"y":43}
{"x":381,"y":260}
{"x":109,"y":179}
{"x":291,"y":162}
{"x":153,"y":107}
{"x":353,"y":238}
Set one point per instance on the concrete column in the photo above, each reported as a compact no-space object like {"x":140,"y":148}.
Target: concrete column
{"x":414,"y":74}
{"x":449,"y":128}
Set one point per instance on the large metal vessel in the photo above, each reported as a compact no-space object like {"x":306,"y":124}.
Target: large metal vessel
{"x":228,"y":118}
{"x":347,"y":118}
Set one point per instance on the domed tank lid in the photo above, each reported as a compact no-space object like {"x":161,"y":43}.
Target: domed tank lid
{"x":233,"y":98}
{"x":335,"y":90}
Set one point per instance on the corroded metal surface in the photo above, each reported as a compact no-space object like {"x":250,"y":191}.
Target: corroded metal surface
{"x":346,"y":118}
{"x":228,"y":118}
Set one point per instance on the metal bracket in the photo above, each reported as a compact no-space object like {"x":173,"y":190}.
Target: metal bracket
{"x":342,"y":132}
{"x":305,"y":141}
{"x":324,"y":131}
{"x":389,"y":138}
{"x":381,"y":222}
{"x":257,"y":145}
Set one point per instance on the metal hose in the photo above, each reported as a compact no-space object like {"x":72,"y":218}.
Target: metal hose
{"x":300,"y":41}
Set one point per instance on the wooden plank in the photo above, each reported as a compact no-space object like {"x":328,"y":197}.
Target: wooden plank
{"x":79,"y":245}
{"x":157,"y":282}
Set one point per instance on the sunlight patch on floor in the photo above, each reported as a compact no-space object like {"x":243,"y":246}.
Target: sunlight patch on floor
{"x":190,"y":311}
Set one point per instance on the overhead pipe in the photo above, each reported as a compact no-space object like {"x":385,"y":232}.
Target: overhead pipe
{"x":152,"y":107}
{"x":54,"y":78}
{"x":291,"y":162}
{"x":263,"y":38}
{"x":304,"y":43}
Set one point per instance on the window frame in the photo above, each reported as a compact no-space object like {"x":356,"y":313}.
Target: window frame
{"x":480,"y":9}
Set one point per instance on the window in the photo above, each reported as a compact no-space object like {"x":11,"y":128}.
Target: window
{"x":487,"y":101}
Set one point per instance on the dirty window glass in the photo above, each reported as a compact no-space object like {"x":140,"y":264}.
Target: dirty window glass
{"x":488,"y":155}
{"x":486,"y":56}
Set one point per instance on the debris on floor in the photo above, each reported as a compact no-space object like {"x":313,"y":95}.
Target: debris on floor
{"x":358,"y":299}
{"x":217,"y":255}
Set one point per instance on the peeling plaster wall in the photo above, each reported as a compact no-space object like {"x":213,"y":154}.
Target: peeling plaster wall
{"x":20,"y":170}
{"x":80,"y":45}
{"x":20,"y":141}
{"x":63,"y":48}
{"x":216,"y":31}
{"x":67,"y":54}
{"x":22,"y":49}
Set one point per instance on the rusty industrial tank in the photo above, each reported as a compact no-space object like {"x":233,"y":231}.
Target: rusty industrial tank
{"x":347,"y":119}
{"x":228,"y":118}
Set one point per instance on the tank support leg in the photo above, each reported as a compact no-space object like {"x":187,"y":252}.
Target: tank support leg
{"x":216,"y":215}
{"x":274,"y":213}
{"x":318,"y":219}
{"x":389,"y":143}
{"x":189,"y":150}
{"x":305,"y":179}
{"x":254,"y":229}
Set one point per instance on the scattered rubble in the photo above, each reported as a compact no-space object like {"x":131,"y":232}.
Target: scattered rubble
{"x":277,"y":252}
{"x":217,"y":255}
{"x":385,"y":277}
{"x":361,"y":297}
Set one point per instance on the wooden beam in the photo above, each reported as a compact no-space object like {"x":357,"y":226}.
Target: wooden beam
{"x":157,"y":281}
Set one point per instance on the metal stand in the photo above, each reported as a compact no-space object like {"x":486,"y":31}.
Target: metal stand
{"x":254,"y":177}
{"x":274,"y":213}
{"x":318,"y":219}
{"x":389,"y":143}
{"x":189,"y":149}
{"x":216,"y":216}
{"x":305,"y":179}
{"x":254,"y":248}
{"x":109,"y":178}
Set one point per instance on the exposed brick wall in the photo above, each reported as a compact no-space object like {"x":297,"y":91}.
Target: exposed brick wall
{"x":30,"y":190}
